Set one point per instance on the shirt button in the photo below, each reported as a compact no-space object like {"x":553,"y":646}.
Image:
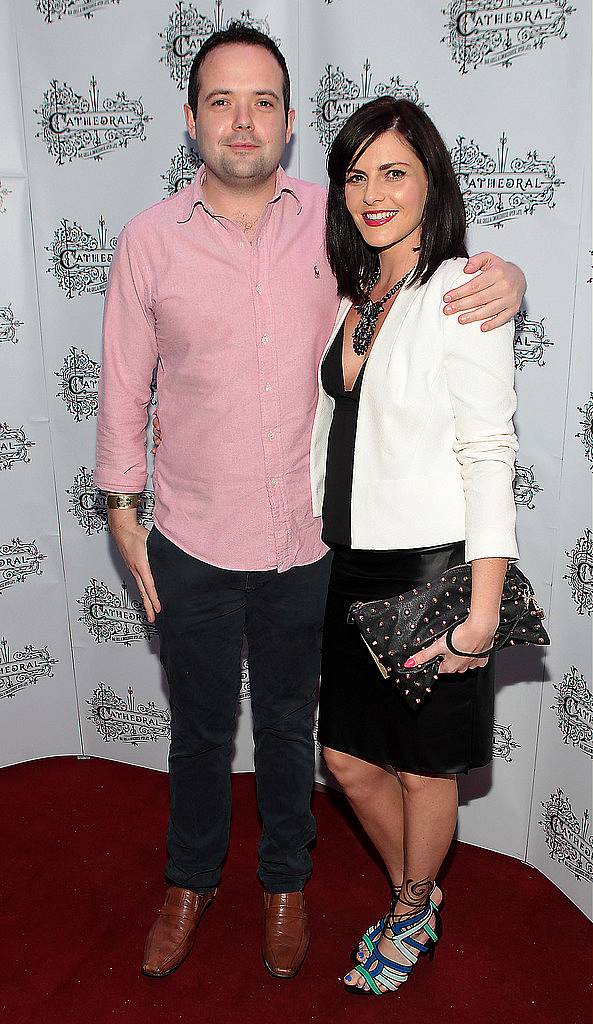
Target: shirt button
{"x":268,"y":387}
{"x":273,"y":481}
{"x":258,"y":289}
{"x":264,"y":339}
{"x":271,"y":435}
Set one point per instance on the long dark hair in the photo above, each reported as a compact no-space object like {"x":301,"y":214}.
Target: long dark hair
{"x":443,"y":226}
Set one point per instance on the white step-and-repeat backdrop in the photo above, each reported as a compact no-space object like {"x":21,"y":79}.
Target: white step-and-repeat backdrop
{"x":91,"y":93}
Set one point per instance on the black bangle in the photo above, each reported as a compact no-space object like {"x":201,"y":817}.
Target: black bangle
{"x":463,"y":654}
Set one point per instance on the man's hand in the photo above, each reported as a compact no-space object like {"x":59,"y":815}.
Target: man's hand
{"x":494,"y":296}
{"x":130,"y":538}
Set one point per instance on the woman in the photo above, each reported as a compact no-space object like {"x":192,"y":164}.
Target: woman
{"x":412,"y":463}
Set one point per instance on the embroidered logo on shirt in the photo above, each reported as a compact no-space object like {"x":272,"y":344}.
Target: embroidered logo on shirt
{"x":485,"y":32}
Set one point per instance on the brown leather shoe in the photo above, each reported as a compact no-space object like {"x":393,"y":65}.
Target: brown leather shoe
{"x":286,"y":933}
{"x":172,"y":935}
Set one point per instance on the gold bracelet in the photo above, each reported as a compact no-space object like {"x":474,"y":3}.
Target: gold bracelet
{"x":123,"y":500}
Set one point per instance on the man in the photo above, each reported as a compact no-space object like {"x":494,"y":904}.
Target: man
{"x":226,"y":289}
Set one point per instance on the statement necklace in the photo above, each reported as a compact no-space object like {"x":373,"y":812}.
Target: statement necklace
{"x":369,"y":312}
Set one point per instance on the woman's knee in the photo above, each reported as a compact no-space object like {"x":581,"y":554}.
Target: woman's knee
{"x":414,"y":783}
{"x":350,"y":771}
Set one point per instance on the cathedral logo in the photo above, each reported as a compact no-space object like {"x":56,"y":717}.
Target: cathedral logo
{"x":188,"y":28}
{"x":497,"y":189}
{"x":244,"y":692}
{"x":79,"y":384}
{"x":580,"y":573}
{"x":23,"y":668}
{"x":9,"y":325}
{"x":181,"y":171}
{"x":525,"y":486}
{"x":586,"y":434}
{"x":574,"y":708}
{"x":89,"y":505}
{"x":79,"y":261}
{"x":74,"y":126}
{"x":569,"y":840}
{"x":53,"y":10}
{"x":126,"y":721}
{"x":4,"y":193}
{"x":338,"y":97}
{"x":530,"y":341}
{"x":17,"y":561}
{"x":503,"y":742}
{"x":496,"y":32}
{"x":14,"y":446}
{"x":114,"y":617}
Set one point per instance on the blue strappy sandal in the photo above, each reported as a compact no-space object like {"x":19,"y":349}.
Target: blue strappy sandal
{"x":374,"y":931}
{"x":377,"y":968}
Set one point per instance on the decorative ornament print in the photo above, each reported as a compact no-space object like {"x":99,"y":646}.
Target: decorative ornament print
{"x":580,"y":574}
{"x":498,"y":189}
{"x":574,"y":710}
{"x":14,"y":446}
{"x":569,"y":840}
{"x":53,"y":10}
{"x":80,"y":261}
{"x":17,"y":561}
{"x":79,"y":384}
{"x":586,"y":434}
{"x":495,"y":33}
{"x":125,"y":721}
{"x":9,"y":325}
{"x":530,"y":341}
{"x":74,"y":126}
{"x":525,"y":486}
{"x":114,"y":617}
{"x":339,"y":96}
{"x":23,"y":668}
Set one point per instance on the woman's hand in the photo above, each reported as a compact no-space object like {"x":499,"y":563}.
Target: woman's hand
{"x":468,"y":636}
{"x":494,"y":296}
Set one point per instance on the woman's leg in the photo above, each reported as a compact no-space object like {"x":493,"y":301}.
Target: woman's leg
{"x":375,"y":795}
{"x":429,"y":819}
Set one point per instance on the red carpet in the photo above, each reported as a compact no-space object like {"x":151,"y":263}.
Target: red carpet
{"x":82,"y":859}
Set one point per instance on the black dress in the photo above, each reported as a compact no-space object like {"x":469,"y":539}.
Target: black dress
{"x":360,"y":713}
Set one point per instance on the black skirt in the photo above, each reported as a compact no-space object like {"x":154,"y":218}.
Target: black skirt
{"x":362,"y":714}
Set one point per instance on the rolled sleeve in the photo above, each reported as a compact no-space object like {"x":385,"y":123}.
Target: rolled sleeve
{"x":479,"y":370}
{"x":128,"y":360}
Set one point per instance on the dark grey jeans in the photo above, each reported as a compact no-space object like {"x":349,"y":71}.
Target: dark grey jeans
{"x":206,"y":611}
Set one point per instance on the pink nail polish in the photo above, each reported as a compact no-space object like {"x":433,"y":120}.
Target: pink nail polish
{"x":410,"y":663}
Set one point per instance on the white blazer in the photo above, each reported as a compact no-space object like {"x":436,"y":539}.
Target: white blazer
{"x":435,"y":444}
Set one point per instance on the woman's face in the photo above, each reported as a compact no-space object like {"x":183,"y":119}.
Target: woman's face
{"x":385,"y":192}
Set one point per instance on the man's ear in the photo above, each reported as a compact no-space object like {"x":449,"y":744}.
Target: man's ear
{"x":289,"y":124}
{"x":190,"y":120}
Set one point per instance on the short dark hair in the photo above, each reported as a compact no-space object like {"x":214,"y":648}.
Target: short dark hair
{"x":236,"y":32}
{"x":443,"y":228}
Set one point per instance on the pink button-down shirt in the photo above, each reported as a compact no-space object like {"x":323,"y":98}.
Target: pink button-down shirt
{"x":236,"y":331}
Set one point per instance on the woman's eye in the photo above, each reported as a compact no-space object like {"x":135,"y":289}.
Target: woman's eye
{"x":354,"y":179}
{"x":395,"y":172}
{"x":265,"y":103}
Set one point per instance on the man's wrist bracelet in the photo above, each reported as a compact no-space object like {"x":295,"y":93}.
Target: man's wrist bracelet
{"x":123,"y":500}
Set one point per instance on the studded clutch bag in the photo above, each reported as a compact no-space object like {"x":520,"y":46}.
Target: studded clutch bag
{"x":396,"y":628}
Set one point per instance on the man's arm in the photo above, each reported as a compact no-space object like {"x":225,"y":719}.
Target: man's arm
{"x":129,"y":356}
{"x":494,"y":296}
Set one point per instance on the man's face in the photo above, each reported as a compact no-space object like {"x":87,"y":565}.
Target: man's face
{"x":239,"y":126}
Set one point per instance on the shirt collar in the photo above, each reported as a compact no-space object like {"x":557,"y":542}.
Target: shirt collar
{"x":193,"y":195}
